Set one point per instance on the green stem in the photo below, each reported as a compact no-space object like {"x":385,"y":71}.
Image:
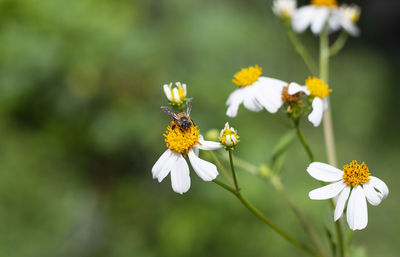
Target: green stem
{"x":259,"y":215}
{"x":303,"y":141}
{"x":339,"y":44}
{"x":301,"y":50}
{"x":233,"y":171}
{"x":221,"y":167}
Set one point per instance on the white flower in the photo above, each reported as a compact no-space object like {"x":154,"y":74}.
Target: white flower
{"x":284,"y":8}
{"x":255,"y":92}
{"x":175,"y":94}
{"x":181,"y":142}
{"x":354,"y":181}
{"x":348,"y":16}
{"x":228,"y":136}
{"x":317,"y":89}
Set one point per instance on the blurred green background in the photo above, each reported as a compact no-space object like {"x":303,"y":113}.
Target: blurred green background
{"x":80,"y":126}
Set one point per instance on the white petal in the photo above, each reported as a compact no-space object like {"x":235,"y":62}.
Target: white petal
{"x":295,"y":88}
{"x":184,"y":90}
{"x":380,"y":186}
{"x":175,"y":95}
{"x":250,"y":99}
{"x":341,"y":202}
{"x":167,"y":92}
{"x":302,"y":18}
{"x":228,"y":140}
{"x":209,"y":145}
{"x":317,"y":113}
{"x":163,"y":165}
{"x":319,"y":19}
{"x":373,"y":196}
{"x":357,"y":213}
{"x":269,"y":93}
{"x":334,"y":22}
{"x":327,"y":192}
{"x":348,"y":25}
{"x":234,"y":139}
{"x":233,"y":102}
{"x":205,"y":170}
{"x":180,"y":178}
{"x":324,"y":172}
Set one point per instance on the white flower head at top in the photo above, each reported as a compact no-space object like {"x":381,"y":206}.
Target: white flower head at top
{"x":255,"y":92}
{"x":316,"y":15}
{"x":319,"y":91}
{"x":349,"y":16}
{"x":182,"y":142}
{"x":228,"y":136}
{"x":175,"y":94}
{"x":284,"y":8}
{"x":353,"y":185}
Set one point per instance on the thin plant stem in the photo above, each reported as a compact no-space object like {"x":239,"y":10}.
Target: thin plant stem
{"x":301,"y":50}
{"x":233,"y":171}
{"x":221,"y":167}
{"x":339,"y":44}
{"x":264,"y":219}
{"x":303,"y":141}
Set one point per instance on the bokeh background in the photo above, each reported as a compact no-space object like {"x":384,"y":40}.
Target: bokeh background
{"x":80,"y":126}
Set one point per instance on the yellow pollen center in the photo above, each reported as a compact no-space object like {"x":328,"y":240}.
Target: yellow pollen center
{"x":247,"y":76}
{"x":181,"y":140}
{"x":324,"y":2}
{"x":356,"y":174}
{"x":317,"y":87}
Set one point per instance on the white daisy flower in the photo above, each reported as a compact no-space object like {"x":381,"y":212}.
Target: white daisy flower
{"x":181,"y":142}
{"x":354,"y":181}
{"x":316,"y":15}
{"x":175,"y":94}
{"x":349,"y":15}
{"x":228,"y":136}
{"x":284,"y":8}
{"x":317,"y":89}
{"x":255,"y":92}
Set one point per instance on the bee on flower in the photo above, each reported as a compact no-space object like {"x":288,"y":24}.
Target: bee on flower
{"x":256,"y":92}
{"x":354,"y":185}
{"x":177,"y":94}
{"x":228,"y":136}
{"x":284,"y":8}
{"x":321,"y":13}
{"x":317,"y":91}
{"x":183,"y":139}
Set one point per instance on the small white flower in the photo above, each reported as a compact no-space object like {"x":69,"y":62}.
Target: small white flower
{"x":354,"y":181}
{"x":181,"y":142}
{"x":175,"y":94}
{"x":319,"y":90}
{"x":228,"y":136}
{"x":284,"y":8}
{"x":348,"y":16}
{"x":316,"y":15}
{"x":255,"y":92}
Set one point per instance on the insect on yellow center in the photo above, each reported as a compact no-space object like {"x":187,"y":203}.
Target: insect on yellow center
{"x":247,"y":76}
{"x":356,"y":174}
{"x":330,"y":3}
{"x":317,"y":87}
{"x":181,"y":140}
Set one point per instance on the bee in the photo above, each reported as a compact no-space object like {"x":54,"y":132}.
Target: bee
{"x":182,"y":119}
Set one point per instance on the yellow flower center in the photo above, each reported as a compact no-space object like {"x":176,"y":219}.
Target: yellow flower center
{"x":324,"y":3}
{"x":317,"y":87}
{"x":247,"y":76}
{"x":229,"y":132}
{"x":181,"y":140}
{"x":356,"y":174}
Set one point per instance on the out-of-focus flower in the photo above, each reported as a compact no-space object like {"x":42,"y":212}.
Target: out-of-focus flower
{"x":181,"y":142}
{"x":255,"y":92}
{"x":349,"y":16}
{"x":284,"y":8}
{"x":354,"y":181}
{"x":175,"y":94}
{"x":228,"y":136}
{"x":318,"y":90}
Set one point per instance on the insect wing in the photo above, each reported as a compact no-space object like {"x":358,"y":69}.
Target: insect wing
{"x":169,"y":111}
{"x":189,"y":105}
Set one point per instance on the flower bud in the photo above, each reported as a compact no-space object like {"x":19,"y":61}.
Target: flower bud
{"x":228,"y":136}
{"x":284,"y":8}
{"x":176,"y":94}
